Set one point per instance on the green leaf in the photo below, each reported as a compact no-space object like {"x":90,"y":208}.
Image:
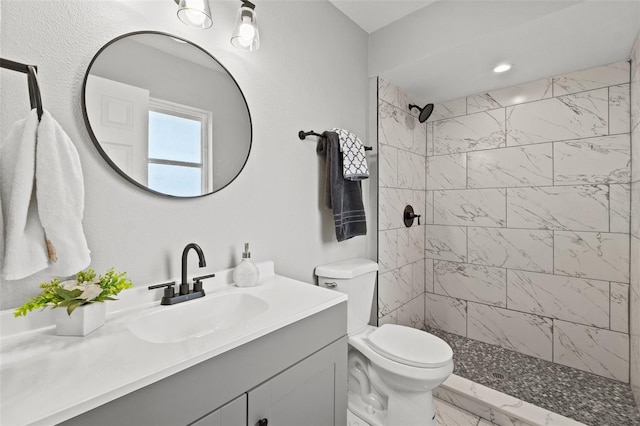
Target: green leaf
{"x":73,"y":304}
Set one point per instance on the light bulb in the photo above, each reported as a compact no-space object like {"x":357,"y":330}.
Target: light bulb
{"x":246,"y":32}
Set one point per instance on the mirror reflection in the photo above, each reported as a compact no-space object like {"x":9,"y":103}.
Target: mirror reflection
{"x":166,"y":115}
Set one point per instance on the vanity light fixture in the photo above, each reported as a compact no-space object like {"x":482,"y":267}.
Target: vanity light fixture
{"x":195,"y":13}
{"x":502,"y":68}
{"x":245,"y":34}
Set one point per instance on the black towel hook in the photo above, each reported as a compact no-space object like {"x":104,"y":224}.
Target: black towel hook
{"x":34,"y":91}
{"x":35,"y":98}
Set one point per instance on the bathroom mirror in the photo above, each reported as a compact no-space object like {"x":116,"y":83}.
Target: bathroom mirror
{"x":166,"y":115}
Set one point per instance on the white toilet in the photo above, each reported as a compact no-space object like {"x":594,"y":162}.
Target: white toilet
{"x":392,"y":368}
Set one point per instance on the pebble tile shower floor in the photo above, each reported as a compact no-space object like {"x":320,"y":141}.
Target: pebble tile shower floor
{"x":585,"y":397}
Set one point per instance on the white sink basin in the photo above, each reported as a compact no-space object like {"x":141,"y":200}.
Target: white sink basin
{"x":223,"y":315}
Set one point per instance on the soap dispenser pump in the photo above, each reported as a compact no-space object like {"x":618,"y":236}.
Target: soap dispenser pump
{"x":246,"y":273}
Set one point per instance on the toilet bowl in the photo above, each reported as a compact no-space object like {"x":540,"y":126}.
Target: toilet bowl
{"x":392,"y":369}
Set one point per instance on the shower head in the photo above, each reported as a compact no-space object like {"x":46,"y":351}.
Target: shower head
{"x":424,"y":112}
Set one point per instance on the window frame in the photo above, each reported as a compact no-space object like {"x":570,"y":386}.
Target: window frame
{"x":205,"y":117}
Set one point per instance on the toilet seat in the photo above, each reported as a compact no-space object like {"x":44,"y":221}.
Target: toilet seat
{"x":410,"y":346}
{"x":361,"y":342}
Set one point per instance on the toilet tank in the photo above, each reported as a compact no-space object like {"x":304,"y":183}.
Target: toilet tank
{"x":356,"y":278}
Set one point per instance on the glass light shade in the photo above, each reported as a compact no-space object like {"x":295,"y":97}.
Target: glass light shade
{"x":195,"y":13}
{"x":245,"y":34}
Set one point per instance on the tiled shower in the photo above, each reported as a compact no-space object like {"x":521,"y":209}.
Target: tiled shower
{"x":527,"y":239}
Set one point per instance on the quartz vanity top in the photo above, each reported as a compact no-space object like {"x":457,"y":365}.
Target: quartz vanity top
{"x":46,"y":379}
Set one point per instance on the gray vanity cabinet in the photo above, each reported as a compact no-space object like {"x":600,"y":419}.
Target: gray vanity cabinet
{"x":231,"y":414}
{"x":293,"y":376}
{"x":305,"y":394}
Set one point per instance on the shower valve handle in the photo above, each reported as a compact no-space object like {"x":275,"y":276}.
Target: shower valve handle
{"x":409,"y":215}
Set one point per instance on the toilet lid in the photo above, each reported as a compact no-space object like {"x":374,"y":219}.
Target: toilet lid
{"x":410,"y":346}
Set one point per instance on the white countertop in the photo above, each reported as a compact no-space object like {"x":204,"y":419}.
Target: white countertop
{"x":46,"y":379}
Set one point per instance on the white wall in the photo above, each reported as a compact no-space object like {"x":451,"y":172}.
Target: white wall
{"x":310,"y":73}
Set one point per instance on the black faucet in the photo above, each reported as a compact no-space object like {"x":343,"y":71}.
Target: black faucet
{"x":184,"y":285}
{"x":170,"y":298}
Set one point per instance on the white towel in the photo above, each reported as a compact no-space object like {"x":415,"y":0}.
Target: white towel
{"x":354,"y":160}
{"x":60,"y":197}
{"x":25,"y":251}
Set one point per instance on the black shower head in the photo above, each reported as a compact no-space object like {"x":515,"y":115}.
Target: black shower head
{"x":424,"y":112}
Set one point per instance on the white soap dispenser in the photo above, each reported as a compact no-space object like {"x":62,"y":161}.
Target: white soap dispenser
{"x":246,"y":273}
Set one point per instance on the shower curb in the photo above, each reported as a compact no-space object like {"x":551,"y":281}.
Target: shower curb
{"x":497,"y":407}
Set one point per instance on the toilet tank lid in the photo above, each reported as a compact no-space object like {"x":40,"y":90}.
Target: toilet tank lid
{"x":346,"y":269}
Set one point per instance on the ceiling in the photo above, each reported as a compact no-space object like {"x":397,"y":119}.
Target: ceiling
{"x":446,"y":49}
{"x":371,"y":15}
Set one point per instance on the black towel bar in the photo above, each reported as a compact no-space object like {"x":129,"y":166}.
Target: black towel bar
{"x":302,"y":135}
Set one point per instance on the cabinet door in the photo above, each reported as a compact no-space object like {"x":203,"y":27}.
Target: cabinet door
{"x":311,"y":393}
{"x":231,"y":414}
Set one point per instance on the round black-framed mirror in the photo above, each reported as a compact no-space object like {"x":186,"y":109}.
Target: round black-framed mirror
{"x":166,"y":115}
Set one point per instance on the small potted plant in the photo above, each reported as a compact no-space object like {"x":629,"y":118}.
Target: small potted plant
{"x":80,"y":297}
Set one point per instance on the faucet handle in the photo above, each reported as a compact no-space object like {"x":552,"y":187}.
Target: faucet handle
{"x":169,"y":291}
{"x":197,"y":281}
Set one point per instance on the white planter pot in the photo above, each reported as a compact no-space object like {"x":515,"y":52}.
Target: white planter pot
{"x":83,"y":320}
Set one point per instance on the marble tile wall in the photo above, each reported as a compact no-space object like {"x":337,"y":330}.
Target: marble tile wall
{"x":634,"y":302}
{"x":402,"y":178}
{"x":528,"y":216}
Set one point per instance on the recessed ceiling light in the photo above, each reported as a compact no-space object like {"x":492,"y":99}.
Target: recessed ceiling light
{"x":502,"y":68}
